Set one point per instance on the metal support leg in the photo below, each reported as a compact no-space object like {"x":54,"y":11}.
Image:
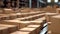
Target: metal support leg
{"x":37,"y":3}
{"x":30,"y":3}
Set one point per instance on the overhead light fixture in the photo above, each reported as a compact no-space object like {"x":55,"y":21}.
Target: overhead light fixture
{"x":55,"y":1}
{"x":49,"y":1}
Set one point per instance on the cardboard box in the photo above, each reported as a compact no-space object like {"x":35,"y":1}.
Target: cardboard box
{"x":19,"y":23}
{"x":9,"y":28}
{"x":20,"y":32}
{"x":38,"y":28}
{"x":8,"y":11}
{"x":31,"y":30}
{"x":3,"y":30}
{"x":48,"y":16}
{"x":55,"y":25}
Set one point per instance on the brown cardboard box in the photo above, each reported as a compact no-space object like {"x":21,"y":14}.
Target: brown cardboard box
{"x":3,"y":17}
{"x":1,"y":11}
{"x":58,"y":10}
{"x":8,"y":11}
{"x":36,"y":26}
{"x":37,"y":23}
{"x":26,"y":10}
{"x":12,"y":28}
{"x":3,"y":30}
{"x":55,"y":25}
{"x":48,"y":16}
{"x":9,"y":28}
{"x":41,"y":19}
{"x":31,"y":30}
{"x":20,"y":32}
{"x":49,"y":9}
{"x":20,"y":24}
{"x":30,"y":18}
{"x":33,"y":17}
